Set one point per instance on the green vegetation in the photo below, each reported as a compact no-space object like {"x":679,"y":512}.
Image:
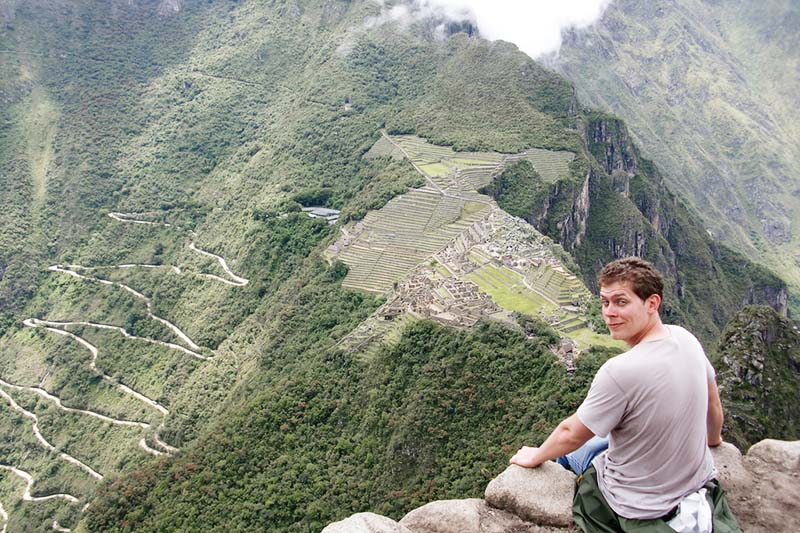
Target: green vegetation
{"x":519,"y":189}
{"x":434,"y":417}
{"x":508,"y":290}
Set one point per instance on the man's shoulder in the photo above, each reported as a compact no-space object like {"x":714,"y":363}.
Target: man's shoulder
{"x":684,"y":336}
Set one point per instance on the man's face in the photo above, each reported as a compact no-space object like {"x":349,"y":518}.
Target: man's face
{"x":627,"y":316}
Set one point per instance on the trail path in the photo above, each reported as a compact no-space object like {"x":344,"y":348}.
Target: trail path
{"x":39,"y":437}
{"x":187,"y":346}
{"x":225,"y":78}
{"x":164,"y":445}
{"x":35,"y":323}
{"x":128,"y":217}
{"x":67,"y":269}
{"x":29,"y":481}
{"x":55,"y":399}
{"x":175,"y":269}
{"x":152,"y":451}
{"x":57,"y":527}
{"x":124,"y":333}
{"x":237,"y":281}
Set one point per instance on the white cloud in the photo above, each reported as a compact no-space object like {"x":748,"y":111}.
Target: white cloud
{"x":534,"y":25}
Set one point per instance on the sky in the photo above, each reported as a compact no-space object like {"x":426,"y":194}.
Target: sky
{"x":533,"y":25}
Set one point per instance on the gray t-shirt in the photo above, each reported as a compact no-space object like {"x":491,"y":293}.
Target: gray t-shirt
{"x":652,"y":402}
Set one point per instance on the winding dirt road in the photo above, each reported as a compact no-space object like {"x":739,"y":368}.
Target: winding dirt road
{"x":124,"y":333}
{"x":56,"y":400}
{"x":44,"y":442}
{"x":65,"y":269}
{"x":188,"y":347}
{"x":29,"y":483}
{"x":128,"y":217}
{"x":237,"y":281}
{"x":36,"y":323}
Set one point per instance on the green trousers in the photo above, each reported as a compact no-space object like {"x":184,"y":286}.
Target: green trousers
{"x":593,"y":515}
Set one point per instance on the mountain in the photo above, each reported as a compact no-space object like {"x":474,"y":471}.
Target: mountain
{"x":247,"y":262}
{"x":709,"y":91}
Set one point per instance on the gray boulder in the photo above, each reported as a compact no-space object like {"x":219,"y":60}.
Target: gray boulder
{"x":540,"y":495}
{"x":774,"y":496}
{"x":366,"y":523}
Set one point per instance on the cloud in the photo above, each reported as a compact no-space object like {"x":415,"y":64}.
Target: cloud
{"x":535,"y":26}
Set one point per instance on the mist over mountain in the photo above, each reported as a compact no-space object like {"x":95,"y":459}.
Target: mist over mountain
{"x":264,"y":265}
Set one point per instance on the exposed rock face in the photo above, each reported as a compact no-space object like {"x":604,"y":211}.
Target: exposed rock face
{"x":762,"y":487}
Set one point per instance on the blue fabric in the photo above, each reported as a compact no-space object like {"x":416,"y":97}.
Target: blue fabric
{"x":580,"y":459}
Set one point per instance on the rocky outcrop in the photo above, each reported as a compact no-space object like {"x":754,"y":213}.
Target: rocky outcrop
{"x":763,"y":490}
{"x":366,"y":523}
{"x":759,"y":377}
{"x":466,"y":516}
{"x":549,"y":505}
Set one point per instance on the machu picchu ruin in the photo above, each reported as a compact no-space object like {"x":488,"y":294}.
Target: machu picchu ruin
{"x":446,"y":252}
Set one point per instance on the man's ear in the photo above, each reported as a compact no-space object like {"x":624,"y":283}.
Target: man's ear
{"x":653,"y":303}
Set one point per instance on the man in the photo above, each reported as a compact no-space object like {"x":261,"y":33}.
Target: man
{"x":659,"y":405}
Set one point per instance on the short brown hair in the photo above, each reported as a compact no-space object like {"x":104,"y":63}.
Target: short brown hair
{"x":645,"y":279}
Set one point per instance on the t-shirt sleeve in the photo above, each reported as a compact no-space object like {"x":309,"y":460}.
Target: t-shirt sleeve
{"x":711,"y":374}
{"x":604,"y":406}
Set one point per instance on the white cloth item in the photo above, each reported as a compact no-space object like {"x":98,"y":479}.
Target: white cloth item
{"x":694,"y":514}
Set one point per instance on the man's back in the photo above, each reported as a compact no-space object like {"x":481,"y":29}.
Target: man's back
{"x":652,"y":402}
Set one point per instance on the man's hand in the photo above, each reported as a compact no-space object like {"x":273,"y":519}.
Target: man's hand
{"x":567,"y":437}
{"x":527,"y":456}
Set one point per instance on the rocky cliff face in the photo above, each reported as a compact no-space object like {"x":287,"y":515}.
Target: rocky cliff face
{"x":760,"y":384}
{"x":762,"y":490}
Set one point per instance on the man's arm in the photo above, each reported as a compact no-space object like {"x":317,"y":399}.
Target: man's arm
{"x":567,"y":437}
{"x":715,"y":417}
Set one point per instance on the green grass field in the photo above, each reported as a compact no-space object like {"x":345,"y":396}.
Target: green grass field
{"x":508,"y":291}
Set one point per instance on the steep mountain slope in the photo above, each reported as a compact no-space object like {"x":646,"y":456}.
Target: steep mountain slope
{"x":709,"y":90}
{"x":174,"y":301}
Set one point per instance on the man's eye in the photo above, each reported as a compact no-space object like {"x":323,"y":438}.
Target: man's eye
{"x":622,"y":302}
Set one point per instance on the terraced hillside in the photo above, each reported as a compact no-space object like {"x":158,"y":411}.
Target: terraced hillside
{"x":387,"y":244}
